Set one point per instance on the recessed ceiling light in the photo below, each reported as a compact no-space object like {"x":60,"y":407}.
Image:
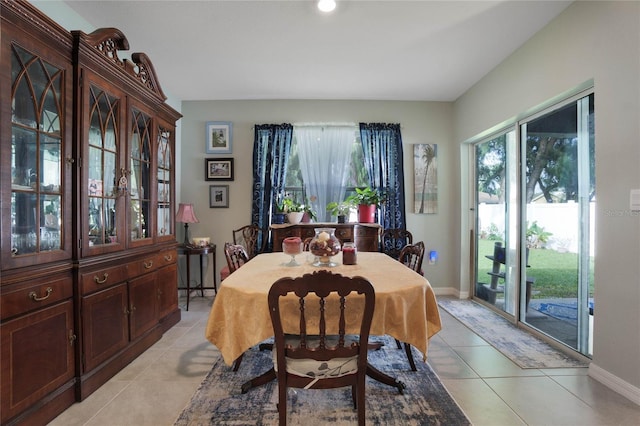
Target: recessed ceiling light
{"x":326,"y":5}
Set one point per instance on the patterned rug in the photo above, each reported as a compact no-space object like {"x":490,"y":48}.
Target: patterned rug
{"x":560,"y":309}
{"x":218,"y":400}
{"x":523,"y":348}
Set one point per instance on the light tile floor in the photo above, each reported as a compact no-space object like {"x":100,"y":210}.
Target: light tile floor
{"x":489,"y":388}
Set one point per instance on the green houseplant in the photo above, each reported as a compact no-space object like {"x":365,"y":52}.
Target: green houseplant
{"x":341,"y":209}
{"x":367,"y":199}
{"x":293,"y":209}
{"x":367,"y":196}
{"x":309,"y":214}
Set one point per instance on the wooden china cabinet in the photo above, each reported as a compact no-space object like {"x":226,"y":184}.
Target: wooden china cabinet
{"x":88,"y":279}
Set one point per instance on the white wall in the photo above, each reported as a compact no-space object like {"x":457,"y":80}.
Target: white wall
{"x":421,"y":122}
{"x":599,"y":41}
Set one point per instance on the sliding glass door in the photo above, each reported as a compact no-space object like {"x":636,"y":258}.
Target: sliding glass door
{"x":558,"y":193}
{"x":535,"y":203}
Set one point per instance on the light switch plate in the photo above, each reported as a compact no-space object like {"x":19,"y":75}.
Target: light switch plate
{"x":634,"y":200}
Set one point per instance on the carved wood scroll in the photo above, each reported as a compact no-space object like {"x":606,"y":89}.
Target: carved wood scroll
{"x":109,"y":41}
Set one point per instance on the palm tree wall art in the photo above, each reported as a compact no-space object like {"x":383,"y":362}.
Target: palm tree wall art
{"x":425,"y":178}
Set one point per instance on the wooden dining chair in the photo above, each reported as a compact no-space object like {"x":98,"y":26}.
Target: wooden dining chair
{"x":305,"y":243}
{"x":393,"y":240}
{"x":311,"y":358}
{"x":236,"y":256}
{"x":411,"y":255}
{"x":252,"y":238}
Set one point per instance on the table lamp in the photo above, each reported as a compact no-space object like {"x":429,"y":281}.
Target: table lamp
{"x":186,"y":215}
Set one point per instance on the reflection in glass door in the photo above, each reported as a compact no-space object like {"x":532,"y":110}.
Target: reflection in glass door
{"x":559,"y":197}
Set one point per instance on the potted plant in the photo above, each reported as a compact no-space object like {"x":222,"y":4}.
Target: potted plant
{"x":280,"y":214}
{"x":293,"y":209}
{"x":367,"y":200}
{"x":341,"y":209}
{"x":309,"y":214}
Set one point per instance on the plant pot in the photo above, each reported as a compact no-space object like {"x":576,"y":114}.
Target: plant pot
{"x":367,"y":213}
{"x":278,"y":218}
{"x":294,"y":217}
{"x":306,"y":218}
{"x":342,"y":218}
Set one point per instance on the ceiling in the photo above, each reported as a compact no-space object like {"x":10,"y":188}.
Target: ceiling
{"x":364,"y":50}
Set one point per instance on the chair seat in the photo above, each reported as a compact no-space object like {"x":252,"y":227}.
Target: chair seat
{"x":335,"y":367}
{"x":224,"y":273}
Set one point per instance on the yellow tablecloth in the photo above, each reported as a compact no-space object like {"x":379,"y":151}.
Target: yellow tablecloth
{"x":406,"y":306}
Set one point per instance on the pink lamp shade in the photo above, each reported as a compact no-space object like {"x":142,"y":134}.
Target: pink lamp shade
{"x":186,"y":215}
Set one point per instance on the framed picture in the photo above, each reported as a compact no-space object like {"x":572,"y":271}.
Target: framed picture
{"x":218,"y":169}
{"x":218,"y":196}
{"x":219,"y":134}
{"x":425,"y":170}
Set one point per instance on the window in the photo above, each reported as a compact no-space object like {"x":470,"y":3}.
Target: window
{"x":301,"y":191}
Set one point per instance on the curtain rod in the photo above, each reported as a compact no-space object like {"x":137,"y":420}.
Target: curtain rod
{"x":330,"y":124}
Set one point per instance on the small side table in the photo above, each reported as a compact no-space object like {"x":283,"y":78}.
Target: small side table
{"x":203,"y":251}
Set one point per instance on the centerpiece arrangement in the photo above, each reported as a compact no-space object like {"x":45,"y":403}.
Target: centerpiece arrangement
{"x":324,"y":245}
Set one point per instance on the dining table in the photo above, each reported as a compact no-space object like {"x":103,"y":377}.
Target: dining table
{"x":405,"y":306}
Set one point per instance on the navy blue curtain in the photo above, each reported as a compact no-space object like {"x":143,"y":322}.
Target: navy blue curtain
{"x":271,"y":146}
{"x":382,"y":145}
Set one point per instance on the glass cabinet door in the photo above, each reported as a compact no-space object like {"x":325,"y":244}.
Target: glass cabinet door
{"x":140,"y":195}
{"x":37,"y":116}
{"x":104,"y":188}
{"x":165,"y":185}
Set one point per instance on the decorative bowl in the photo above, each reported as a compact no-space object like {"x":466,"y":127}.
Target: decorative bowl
{"x":201,"y":241}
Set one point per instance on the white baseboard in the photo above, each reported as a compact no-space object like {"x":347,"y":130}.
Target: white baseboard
{"x":451,"y":291}
{"x":615,"y":383}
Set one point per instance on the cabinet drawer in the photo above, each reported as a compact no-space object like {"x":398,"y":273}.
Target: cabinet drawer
{"x":344,"y":234}
{"x":32,"y":296}
{"x":288,"y":232}
{"x":102,"y":278}
{"x":143,"y":266}
{"x":167,"y":257}
{"x":366,"y":231}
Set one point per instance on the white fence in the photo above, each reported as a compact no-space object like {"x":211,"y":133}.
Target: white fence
{"x":561,"y":220}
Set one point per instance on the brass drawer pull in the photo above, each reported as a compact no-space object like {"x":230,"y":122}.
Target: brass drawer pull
{"x":33,"y":296}
{"x":148,"y":265}
{"x":101,"y":281}
{"x":168,"y":258}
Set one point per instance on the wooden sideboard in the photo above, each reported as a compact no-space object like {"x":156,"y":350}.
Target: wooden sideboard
{"x":365,"y":235}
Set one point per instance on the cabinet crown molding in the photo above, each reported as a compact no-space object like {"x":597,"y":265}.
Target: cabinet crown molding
{"x":108,"y":42}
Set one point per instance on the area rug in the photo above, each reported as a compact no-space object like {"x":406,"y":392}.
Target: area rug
{"x":560,"y":309}
{"x":523,"y":348}
{"x":219,"y":401}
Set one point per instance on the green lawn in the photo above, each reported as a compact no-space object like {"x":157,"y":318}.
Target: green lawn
{"x":556,"y":273}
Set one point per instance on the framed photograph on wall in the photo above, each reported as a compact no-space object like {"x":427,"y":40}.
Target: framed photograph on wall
{"x":219,"y":136}
{"x":218,"y":196}
{"x":218,"y":169}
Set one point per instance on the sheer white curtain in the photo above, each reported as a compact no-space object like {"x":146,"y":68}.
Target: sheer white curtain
{"x":325,"y":154}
